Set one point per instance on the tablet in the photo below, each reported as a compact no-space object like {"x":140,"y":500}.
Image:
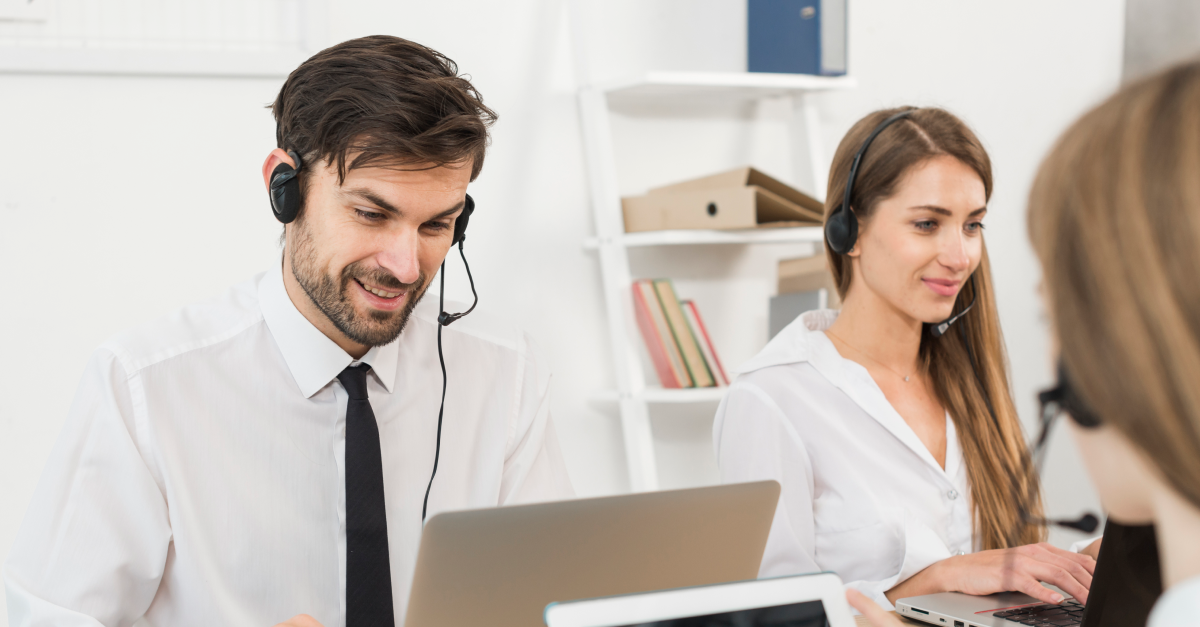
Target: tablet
{"x":813,"y":600}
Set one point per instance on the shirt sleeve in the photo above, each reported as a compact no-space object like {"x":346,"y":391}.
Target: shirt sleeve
{"x":534,"y":469}
{"x":755,"y":441}
{"x":1080,"y":545}
{"x":94,"y":542}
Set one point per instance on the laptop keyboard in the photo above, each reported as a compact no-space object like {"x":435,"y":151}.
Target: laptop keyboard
{"x":1068,"y":613}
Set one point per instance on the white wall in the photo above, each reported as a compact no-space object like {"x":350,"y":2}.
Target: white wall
{"x":122,"y":198}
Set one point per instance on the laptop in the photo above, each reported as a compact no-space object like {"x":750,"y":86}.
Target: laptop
{"x":816,"y":600}
{"x":1124,"y":588}
{"x":501,"y":566}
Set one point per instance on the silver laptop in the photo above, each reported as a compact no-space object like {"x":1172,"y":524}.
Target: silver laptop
{"x":501,"y":566}
{"x":1007,"y":609}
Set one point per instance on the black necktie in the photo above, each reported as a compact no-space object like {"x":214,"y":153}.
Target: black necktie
{"x":368,"y":575}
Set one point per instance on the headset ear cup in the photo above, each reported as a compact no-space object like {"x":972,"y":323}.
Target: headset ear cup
{"x":285,"y":193}
{"x":841,"y":230}
{"x":460,"y":223}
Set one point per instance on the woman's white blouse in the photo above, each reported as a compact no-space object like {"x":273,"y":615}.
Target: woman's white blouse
{"x":862,"y":496}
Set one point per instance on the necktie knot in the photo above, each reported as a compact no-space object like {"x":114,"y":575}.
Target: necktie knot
{"x":354,"y":379}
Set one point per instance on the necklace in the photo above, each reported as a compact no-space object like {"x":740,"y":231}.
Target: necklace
{"x":864,"y":354}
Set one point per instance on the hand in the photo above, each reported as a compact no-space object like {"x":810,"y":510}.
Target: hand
{"x":1021,"y":569}
{"x":300,"y":620}
{"x":876,"y":615}
{"x":1092,"y":550}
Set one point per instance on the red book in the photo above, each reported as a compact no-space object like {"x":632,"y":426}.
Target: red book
{"x":659,"y":342}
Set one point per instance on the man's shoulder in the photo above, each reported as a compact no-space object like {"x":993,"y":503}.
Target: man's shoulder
{"x":189,"y":328}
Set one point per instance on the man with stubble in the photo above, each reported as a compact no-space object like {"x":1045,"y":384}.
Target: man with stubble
{"x":265,"y":456}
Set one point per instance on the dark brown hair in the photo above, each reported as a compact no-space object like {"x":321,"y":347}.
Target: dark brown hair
{"x":384,"y":101}
{"x":994,"y":450}
{"x":1114,"y":216}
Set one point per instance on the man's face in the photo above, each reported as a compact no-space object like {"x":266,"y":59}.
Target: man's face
{"x":364,"y":250}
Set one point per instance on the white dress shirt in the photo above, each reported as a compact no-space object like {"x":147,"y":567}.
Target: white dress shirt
{"x":862,"y":496}
{"x":199,"y":479}
{"x":1179,"y":606}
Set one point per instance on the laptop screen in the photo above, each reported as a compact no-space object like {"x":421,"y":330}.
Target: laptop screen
{"x":806,"y":614}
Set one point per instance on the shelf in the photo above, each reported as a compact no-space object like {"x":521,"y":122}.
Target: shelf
{"x":787,"y":235}
{"x":665,"y":395}
{"x":658,"y":86}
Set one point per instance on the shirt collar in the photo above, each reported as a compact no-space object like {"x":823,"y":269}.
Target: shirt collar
{"x":313,"y":359}
{"x":804,"y":340}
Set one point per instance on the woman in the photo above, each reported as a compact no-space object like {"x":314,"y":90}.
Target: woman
{"x":900,"y":453}
{"x":1115,"y":219}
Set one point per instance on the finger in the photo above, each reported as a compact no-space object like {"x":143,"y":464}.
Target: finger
{"x":1036,"y":590}
{"x":1049,"y":573}
{"x":1084,"y":561}
{"x":875,"y":614}
{"x":300,"y":620}
{"x":1081,"y":574}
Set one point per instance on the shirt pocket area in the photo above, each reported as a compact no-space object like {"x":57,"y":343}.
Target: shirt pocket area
{"x":860,"y":546}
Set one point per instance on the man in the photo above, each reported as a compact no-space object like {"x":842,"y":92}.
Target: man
{"x":268,"y":454}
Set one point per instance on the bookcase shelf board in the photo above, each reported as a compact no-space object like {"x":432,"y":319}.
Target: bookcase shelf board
{"x":788,"y":235}
{"x":655,"y":87}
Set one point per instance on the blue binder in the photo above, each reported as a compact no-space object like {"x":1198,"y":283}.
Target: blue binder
{"x":797,"y":36}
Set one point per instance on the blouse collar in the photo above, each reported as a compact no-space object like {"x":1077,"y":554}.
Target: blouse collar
{"x":804,"y":340}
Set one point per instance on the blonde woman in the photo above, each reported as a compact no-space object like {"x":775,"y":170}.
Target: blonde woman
{"x":899,"y":451}
{"x":1115,"y":219}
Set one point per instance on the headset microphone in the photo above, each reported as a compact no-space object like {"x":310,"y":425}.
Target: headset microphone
{"x":444,"y":320}
{"x":1086,"y":523}
{"x":939,"y":329}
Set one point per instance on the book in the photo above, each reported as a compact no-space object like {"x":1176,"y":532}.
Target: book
{"x":688,"y":347}
{"x":796,"y":36}
{"x":706,"y":346}
{"x":656,"y":332}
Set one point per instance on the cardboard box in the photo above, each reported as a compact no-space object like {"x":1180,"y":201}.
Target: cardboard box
{"x":738,"y":199}
{"x":808,"y":274}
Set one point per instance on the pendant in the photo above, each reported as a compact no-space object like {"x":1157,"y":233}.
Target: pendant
{"x":906,"y":379}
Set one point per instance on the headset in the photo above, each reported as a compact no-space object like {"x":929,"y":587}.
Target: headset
{"x":841,"y":233}
{"x":286,"y":202}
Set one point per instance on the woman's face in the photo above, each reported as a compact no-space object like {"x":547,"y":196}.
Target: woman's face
{"x":921,"y":244}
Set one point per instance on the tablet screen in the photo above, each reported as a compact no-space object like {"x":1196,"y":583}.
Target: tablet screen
{"x":806,"y":614}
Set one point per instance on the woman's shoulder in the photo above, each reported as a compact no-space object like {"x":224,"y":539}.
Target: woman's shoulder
{"x":798,"y":366}
{"x":801,"y":341}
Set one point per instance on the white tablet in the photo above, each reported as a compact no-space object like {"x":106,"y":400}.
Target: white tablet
{"x":802,"y":601}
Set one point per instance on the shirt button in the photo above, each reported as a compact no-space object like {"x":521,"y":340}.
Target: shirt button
{"x":953,"y":494}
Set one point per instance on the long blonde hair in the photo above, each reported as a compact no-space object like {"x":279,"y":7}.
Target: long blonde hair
{"x":1114,"y":216}
{"x":994,"y":450}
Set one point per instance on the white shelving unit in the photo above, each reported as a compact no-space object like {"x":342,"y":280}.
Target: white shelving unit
{"x":659,"y":89}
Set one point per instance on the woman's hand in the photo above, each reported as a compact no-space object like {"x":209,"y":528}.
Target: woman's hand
{"x":875,"y":614}
{"x":1022,"y":569}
